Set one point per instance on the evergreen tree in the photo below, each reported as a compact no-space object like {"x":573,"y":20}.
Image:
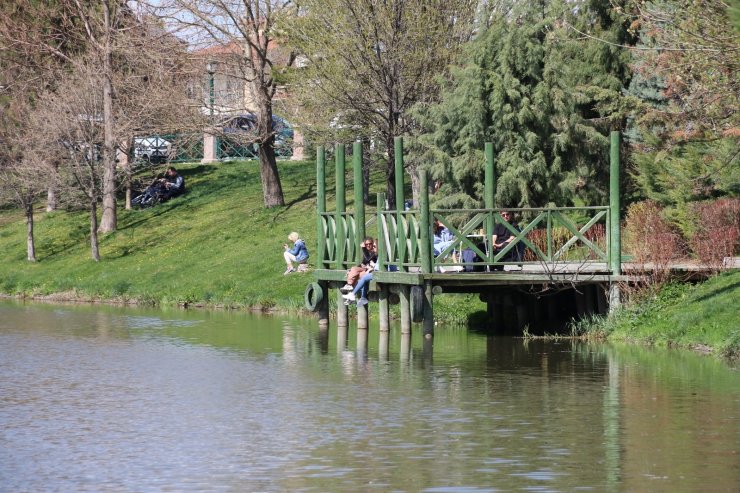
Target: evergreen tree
{"x":545,"y":95}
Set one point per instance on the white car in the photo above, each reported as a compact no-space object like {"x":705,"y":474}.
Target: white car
{"x":154,"y":149}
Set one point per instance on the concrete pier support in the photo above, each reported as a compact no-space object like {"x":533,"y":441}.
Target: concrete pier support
{"x":342,"y":312}
{"x":405,"y":306}
{"x":362,"y":317}
{"x":323,"y":308}
{"x":615,"y":297}
{"x":427,"y":324}
{"x":384,"y":322}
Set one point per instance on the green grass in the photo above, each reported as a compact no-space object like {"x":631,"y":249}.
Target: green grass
{"x":215,"y":245}
{"x":702,"y":316}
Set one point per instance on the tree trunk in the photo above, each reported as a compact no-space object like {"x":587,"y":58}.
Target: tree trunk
{"x":109,"y":220}
{"x":94,"y":230}
{"x":51,"y":192}
{"x":272,"y":190}
{"x":390,"y":190}
{"x":31,"y":248}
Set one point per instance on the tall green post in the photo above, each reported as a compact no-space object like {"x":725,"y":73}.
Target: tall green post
{"x":398,"y":154}
{"x":426,"y":255}
{"x":320,"y":205}
{"x":490,"y":192}
{"x":615,"y":254}
{"x":400,"y":230}
{"x":425,"y":224}
{"x":359,"y":200}
{"x":341,"y":205}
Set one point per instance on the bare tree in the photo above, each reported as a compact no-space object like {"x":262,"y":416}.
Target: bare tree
{"x":69,"y":127}
{"x":154,"y":94}
{"x":369,"y":61}
{"x":24,"y":180}
{"x":250,"y":27}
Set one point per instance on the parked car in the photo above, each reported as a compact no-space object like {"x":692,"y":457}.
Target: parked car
{"x":240,"y":132}
{"x":154,"y":149}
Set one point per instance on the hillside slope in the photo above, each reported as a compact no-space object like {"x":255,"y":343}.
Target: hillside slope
{"x":217,"y":244}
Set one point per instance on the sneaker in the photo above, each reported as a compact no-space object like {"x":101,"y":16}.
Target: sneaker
{"x":347,"y":288}
{"x":288,"y":271}
{"x":349,"y":296}
{"x":362,"y":302}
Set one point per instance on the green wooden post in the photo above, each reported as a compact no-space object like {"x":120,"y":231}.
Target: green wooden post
{"x":341,"y":205}
{"x":400,"y":230}
{"x":382,"y":253}
{"x":615,"y":250}
{"x":359,"y":202}
{"x":490,"y":188}
{"x":383,"y":304}
{"x":425,"y":224}
{"x":398,"y":154}
{"x":320,"y":206}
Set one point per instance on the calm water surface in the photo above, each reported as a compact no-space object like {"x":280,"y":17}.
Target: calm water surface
{"x":109,"y":399}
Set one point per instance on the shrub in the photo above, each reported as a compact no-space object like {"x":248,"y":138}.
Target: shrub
{"x":651,"y":240}
{"x":716,"y":231}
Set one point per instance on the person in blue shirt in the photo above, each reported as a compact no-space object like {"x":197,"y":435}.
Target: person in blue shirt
{"x":298,"y":254}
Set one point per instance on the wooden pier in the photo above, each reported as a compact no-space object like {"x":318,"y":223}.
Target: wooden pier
{"x":573,"y":254}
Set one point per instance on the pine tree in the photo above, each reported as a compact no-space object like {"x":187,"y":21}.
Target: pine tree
{"x":544,"y":95}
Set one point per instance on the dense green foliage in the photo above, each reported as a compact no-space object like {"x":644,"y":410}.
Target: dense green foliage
{"x":544,"y":96}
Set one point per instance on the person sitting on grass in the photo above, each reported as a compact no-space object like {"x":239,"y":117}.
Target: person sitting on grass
{"x":369,"y":258}
{"x":298,"y":254}
{"x":162,"y":189}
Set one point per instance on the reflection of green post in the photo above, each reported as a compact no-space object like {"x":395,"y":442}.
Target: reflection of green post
{"x":341,"y":205}
{"x":320,"y":205}
{"x":615,"y":254}
{"x":359,"y":200}
{"x":490,"y":188}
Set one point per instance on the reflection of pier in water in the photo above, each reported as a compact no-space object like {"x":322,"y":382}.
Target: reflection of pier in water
{"x":563,"y":263}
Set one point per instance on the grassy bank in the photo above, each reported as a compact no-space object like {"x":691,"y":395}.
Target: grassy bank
{"x":218,"y":246}
{"x":704,"y":317}
{"x":215,"y":246}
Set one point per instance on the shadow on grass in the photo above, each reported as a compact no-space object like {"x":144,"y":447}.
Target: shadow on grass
{"x":717,"y":292}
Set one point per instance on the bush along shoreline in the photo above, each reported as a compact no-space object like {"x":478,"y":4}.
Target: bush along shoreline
{"x":704,"y":317}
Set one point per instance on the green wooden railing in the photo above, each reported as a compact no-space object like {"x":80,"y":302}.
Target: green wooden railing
{"x":547,"y":235}
{"x":576,"y":242}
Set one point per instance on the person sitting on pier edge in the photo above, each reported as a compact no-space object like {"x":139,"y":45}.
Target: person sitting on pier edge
{"x":369,"y":258}
{"x":443,"y":238}
{"x":298,"y":254}
{"x":502,"y":237}
{"x":362,"y":287}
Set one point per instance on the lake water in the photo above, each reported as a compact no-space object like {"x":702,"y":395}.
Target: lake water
{"x":120,"y":399}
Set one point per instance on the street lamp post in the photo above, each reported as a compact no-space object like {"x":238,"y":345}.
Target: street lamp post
{"x":211,"y":69}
